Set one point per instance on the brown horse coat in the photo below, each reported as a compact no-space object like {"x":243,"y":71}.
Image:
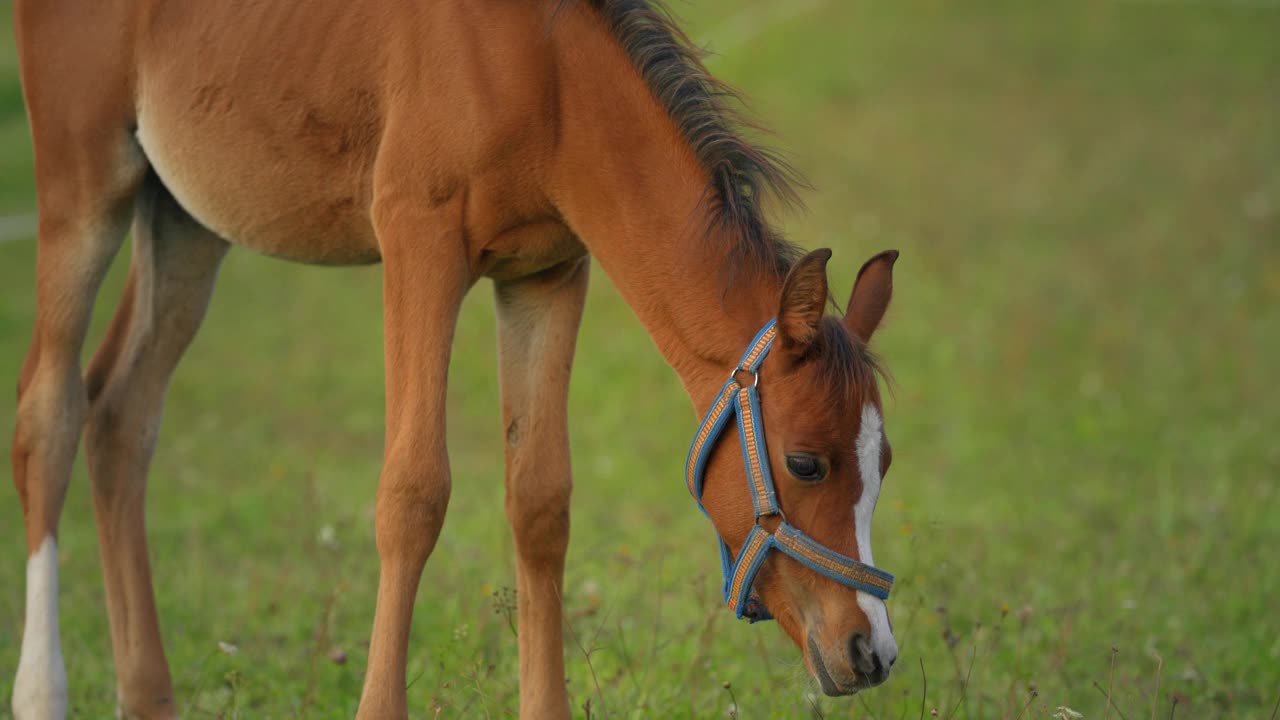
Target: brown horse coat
{"x":450,"y":141}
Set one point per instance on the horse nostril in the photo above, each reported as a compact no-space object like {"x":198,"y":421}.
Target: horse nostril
{"x":870,"y":665}
{"x":860,"y":652}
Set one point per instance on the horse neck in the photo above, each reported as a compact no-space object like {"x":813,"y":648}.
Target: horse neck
{"x":628,"y":184}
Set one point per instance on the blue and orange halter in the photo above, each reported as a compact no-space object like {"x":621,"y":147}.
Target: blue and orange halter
{"x":743,"y":401}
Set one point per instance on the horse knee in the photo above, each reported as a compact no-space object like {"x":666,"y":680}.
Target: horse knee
{"x":118,"y":438}
{"x":413,"y":497}
{"x":51,"y":405}
{"x":538,"y":509}
{"x":51,"y":411}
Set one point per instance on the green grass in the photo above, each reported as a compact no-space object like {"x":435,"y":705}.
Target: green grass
{"x":1084,"y":339}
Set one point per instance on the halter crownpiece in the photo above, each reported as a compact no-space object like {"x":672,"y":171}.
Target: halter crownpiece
{"x":743,"y":401}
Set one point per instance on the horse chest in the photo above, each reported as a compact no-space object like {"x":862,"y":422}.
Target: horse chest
{"x":527,"y":248}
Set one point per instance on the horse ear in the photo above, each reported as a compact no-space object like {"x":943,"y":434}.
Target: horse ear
{"x":871,"y":293}
{"x":804,"y":296}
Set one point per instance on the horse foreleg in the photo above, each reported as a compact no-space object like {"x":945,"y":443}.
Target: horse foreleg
{"x":538,"y":321}
{"x":426,"y":275}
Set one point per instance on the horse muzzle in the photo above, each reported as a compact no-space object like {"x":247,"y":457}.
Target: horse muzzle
{"x":856,"y":666}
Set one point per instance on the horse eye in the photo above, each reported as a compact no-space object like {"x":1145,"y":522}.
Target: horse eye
{"x":805,"y":467}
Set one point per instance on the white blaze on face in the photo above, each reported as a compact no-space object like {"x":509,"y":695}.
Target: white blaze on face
{"x":870,"y":440}
{"x":40,"y":687}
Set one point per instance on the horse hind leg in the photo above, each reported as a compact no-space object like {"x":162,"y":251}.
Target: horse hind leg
{"x":171,"y":279}
{"x":83,"y":213}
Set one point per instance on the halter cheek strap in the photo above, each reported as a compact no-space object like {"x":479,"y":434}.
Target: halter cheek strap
{"x":742,"y":402}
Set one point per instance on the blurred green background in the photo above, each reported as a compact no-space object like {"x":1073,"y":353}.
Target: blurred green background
{"x":1085,"y":340}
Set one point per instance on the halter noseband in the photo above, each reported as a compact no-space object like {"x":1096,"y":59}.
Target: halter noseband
{"x":740,"y":573}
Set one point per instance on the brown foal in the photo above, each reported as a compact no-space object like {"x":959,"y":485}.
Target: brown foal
{"x":451,"y":142}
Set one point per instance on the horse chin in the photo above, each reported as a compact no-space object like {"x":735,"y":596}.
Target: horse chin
{"x":829,"y":686}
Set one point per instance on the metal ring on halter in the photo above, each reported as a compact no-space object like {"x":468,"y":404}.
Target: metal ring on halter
{"x":779,"y":513}
{"x":755,"y":376}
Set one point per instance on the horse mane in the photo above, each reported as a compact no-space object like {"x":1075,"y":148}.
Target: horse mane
{"x":743,"y":177}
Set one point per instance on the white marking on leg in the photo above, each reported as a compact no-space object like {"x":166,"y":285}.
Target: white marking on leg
{"x":870,"y":438}
{"x":40,"y":688}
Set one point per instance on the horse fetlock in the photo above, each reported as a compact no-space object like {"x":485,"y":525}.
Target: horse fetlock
{"x":156,"y":706}
{"x":40,"y":695}
{"x":40,"y":686}
{"x":40,"y":691}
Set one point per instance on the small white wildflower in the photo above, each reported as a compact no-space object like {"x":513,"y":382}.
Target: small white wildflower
{"x":1065,"y":713}
{"x":227,"y":648}
{"x":461,"y":632}
{"x":328,"y":537}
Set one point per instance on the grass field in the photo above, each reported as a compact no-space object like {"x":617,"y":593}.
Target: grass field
{"x":1085,"y":340}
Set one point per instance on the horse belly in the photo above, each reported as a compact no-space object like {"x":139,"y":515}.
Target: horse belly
{"x":278,"y":178}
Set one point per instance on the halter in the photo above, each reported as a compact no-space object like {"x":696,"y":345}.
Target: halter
{"x":740,"y":573}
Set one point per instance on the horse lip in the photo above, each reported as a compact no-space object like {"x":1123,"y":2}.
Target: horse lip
{"x":829,"y":687}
